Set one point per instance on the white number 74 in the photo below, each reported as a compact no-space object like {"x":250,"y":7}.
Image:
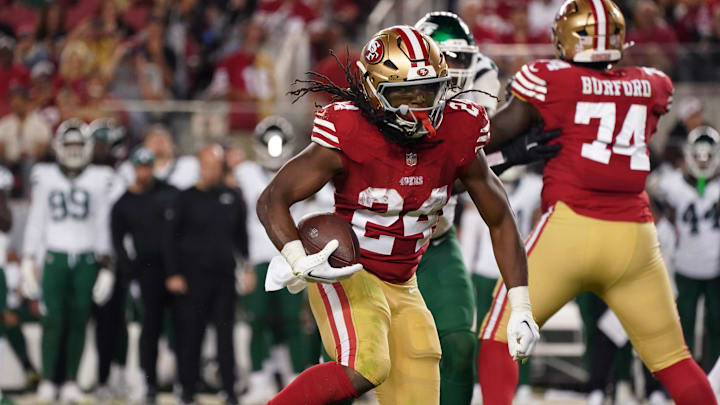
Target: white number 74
{"x":633,"y":128}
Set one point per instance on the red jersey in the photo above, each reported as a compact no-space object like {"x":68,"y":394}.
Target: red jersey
{"x":607,"y":119}
{"x":392,"y":195}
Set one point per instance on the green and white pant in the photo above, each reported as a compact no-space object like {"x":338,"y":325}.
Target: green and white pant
{"x":67,"y":284}
{"x":445,"y":285}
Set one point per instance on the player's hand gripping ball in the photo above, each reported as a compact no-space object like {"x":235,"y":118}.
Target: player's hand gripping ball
{"x":328,"y":250}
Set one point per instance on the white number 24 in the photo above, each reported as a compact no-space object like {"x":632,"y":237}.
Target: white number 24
{"x":632,"y":129}
{"x":418,"y":222}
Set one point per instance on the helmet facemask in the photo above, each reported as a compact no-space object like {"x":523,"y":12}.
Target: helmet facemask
{"x":462,"y":65}
{"x":74,"y":150}
{"x":417,"y":105}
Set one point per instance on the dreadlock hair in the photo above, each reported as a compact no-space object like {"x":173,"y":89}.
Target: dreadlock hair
{"x":355,"y":93}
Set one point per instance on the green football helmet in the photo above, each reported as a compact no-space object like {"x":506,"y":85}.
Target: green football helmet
{"x":457,"y":44}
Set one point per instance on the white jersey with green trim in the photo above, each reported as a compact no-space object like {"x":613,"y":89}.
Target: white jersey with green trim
{"x":69,"y":214}
{"x":486,"y":79}
{"x":697,"y":220}
{"x":475,"y":241}
{"x":252,"y":180}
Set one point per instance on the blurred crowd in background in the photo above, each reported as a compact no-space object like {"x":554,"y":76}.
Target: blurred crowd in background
{"x":83,"y":58}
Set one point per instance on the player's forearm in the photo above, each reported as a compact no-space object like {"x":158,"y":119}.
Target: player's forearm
{"x":273,"y":210}
{"x":509,"y":253}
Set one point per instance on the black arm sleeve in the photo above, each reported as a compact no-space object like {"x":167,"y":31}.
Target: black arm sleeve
{"x":118,"y":230}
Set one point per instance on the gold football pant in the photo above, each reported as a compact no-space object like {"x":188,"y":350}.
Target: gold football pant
{"x":383,"y":331}
{"x":618,"y":261}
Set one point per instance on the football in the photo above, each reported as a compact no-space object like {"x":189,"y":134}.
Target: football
{"x":316,"y":230}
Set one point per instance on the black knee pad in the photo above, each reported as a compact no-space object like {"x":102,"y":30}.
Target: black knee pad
{"x":458,"y":354}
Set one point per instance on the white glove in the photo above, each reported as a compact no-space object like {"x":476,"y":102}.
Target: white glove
{"x":29,"y":284}
{"x":102,"y":290}
{"x":522,"y":331}
{"x":315,"y":268}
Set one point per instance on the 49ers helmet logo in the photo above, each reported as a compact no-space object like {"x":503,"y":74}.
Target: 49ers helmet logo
{"x":423,"y":72}
{"x":375,"y":51}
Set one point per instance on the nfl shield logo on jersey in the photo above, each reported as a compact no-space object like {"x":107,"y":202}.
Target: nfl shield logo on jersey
{"x":410,"y":159}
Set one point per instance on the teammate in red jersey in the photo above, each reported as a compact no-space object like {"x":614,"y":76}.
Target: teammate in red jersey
{"x":597,"y":233}
{"x":393,"y":151}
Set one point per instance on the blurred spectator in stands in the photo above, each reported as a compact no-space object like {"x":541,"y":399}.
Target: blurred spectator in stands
{"x":79,"y":11}
{"x":691,"y":20}
{"x":137,"y":13}
{"x":17,"y":13}
{"x":11,"y":74}
{"x":655,"y":40}
{"x":283,"y":10}
{"x":76,"y":64}
{"x":42,"y":92}
{"x":180,"y":16}
{"x":51,"y":31}
{"x":543,"y":13}
{"x":702,"y":63}
{"x":246,"y":77}
{"x":328,"y":66}
{"x":520,"y":33}
{"x":23,"y":132}
{"x":484,"y":26}
{"x":26,"y":53}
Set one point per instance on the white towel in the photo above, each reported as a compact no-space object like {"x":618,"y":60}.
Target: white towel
{"x":280,"y":275}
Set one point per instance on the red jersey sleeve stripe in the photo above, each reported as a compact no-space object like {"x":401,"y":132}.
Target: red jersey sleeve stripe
{"x":322,"y":142}
{"x":325,"y":123}
{"x":326,"y":134}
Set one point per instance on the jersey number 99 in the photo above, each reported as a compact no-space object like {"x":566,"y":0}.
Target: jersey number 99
{"x":75,"y":204}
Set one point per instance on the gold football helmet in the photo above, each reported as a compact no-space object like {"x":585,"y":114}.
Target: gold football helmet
{"x":404,"y":72}
{"x":589,"y":31}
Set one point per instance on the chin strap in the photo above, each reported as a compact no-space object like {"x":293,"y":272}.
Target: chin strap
{"x":426,"y":123}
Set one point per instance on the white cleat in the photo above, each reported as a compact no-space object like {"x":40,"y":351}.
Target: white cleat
{"x":118,"y":383}
{"x":103,"y":394}
{"x":71,"y":393}
{"x":658,"y":398}
{"x":597,"y":397}
{"x":624,"y":394}
{"x":524,"y":395}
{"x":46,"y":392}
{"x":261,"y":389}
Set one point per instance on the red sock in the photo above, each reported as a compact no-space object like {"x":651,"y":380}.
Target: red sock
{"x":322,"y":384}
{"x":497,"y":373}
{"x":686,"y":383}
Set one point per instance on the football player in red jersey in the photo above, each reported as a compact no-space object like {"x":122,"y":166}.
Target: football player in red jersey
{"x":597,"y":232}
{"x":393,"y":150}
